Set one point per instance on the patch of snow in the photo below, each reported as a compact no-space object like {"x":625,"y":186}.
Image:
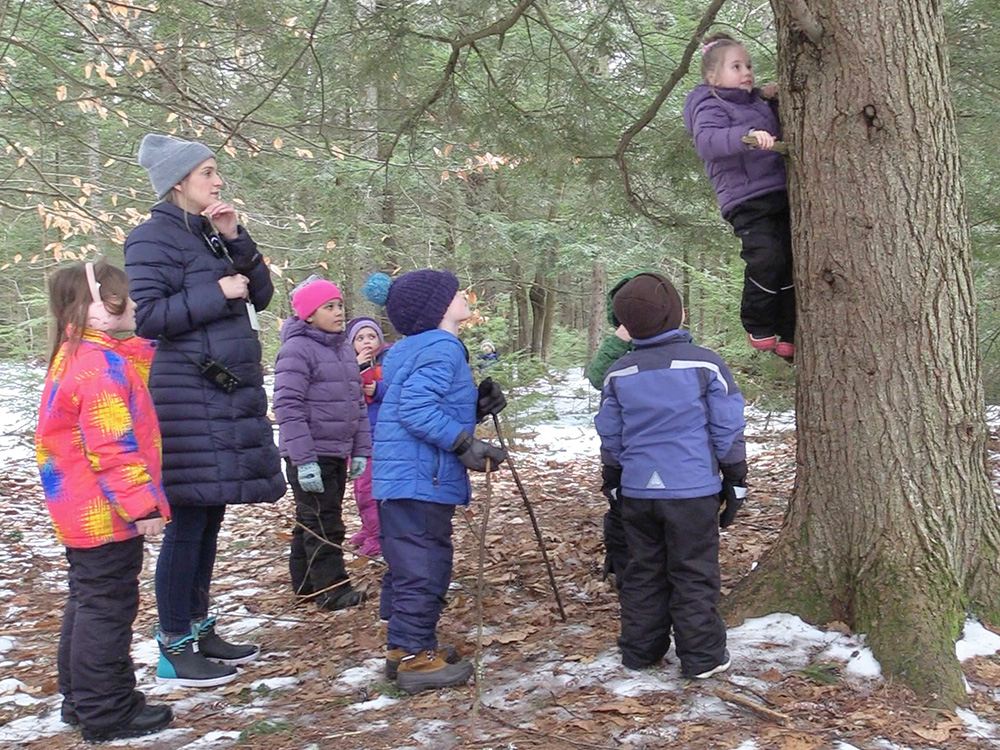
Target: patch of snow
{"x":976,"y":641}
{"x":6,"y":644}
{"x":976,"y":727}
{"x":274,"y":683}
{"x":32,"y":728}
{"x":357,"y":677}
{"x":212,"y":740}
{"x":381,"y":702}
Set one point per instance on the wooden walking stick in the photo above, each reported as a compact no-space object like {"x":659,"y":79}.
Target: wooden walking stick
{"x":531,"y":515}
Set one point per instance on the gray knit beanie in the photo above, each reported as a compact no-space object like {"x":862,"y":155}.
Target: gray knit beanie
{"x":169,"y":160}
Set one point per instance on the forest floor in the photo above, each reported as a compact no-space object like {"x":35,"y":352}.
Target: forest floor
{"x":541,"y":682}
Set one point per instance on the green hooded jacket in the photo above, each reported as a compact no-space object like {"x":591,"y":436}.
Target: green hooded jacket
{"x":612,"y":348}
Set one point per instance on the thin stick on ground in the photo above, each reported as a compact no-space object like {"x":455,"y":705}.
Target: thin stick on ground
{"x":531,"y":515}
{"x":480,"y":593}
{"x":757,"y":708}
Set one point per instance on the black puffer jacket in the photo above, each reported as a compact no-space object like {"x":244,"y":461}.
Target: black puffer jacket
{"x":218,"y":447}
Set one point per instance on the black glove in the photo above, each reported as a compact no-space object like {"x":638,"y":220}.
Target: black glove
{"x":732,"y":495}
{"x":734,"y":490}
{"x":476,"y":454}
{"x":491,"y":399}
{"x":612,"y":481}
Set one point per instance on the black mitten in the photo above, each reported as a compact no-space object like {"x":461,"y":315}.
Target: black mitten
{"x":491,"y":399}
{"x":611,"y":484}
{"x":734,"y":490}
{"x":733,"y":496}
{"x":476,"y":454}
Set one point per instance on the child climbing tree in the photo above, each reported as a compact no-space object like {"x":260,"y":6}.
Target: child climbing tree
{"x":893,"y":527}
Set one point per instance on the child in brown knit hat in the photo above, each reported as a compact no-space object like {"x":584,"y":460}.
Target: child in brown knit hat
{"x":672,"y":417}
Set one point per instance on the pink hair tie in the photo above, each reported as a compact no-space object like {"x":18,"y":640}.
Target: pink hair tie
{"x":705,"y":47}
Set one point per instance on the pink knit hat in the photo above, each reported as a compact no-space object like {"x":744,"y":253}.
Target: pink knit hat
{"x":312,"y":295}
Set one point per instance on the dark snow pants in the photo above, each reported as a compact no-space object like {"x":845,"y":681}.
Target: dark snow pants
{"x":764,"y":227}
{"x":96,"y":674}
{"x":672,"y":580}
{"x":184,"y":567}
{"x":416,"y":544}
{"x":316,"y":560}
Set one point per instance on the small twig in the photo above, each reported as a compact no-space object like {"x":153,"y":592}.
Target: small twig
{"x":763,"y":711}
{"x":779,"y":146}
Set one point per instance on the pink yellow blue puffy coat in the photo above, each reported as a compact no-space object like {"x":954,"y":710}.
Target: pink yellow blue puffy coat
{"x":98,"y":441}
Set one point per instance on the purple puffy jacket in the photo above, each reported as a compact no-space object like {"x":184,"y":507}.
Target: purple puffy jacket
{"x":318,"y":400}
{"x":718,"y":118}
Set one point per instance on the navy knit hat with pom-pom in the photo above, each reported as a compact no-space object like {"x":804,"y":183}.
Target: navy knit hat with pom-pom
{"x":416,"y":301}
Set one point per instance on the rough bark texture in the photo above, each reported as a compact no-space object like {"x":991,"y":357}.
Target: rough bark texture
{"x":597,"y":322}
{"x":893,"y":527}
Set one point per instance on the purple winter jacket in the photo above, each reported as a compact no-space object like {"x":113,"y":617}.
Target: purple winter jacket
{"x":318,"y":400}
{"x":718,"y":118}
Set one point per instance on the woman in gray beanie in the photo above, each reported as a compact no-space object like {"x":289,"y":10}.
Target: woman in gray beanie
{"x":197,"y":281}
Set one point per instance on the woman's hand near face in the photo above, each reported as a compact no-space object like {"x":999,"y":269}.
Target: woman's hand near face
{"x":224,"y":217}
{"x":236,"y":286}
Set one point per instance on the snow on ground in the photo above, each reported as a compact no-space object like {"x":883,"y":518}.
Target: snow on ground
{"x":563,"y":430}
{"x":20,"y":393}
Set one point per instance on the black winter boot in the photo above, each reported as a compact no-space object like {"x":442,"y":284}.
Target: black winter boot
{"x":149,"y":720}
{"x":211,"y":645}
{"x":341,"y":598}
{"x":182,"y":665}
{"x":68,"y":713}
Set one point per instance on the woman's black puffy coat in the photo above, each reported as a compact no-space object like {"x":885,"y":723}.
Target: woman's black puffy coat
{"x":218,"y":447}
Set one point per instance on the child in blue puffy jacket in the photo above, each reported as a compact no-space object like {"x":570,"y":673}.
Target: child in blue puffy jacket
{"x":672,"y":417}
{"x":423,"y":450}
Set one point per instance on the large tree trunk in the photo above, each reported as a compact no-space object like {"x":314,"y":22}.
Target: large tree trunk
{"x":893,"y":527}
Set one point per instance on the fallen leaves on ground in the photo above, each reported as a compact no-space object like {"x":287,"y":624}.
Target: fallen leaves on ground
{"x":530,"y":691}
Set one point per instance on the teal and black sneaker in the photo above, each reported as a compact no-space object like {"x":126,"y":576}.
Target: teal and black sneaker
{"x":183,"y":665}
{"x":211,"y":645}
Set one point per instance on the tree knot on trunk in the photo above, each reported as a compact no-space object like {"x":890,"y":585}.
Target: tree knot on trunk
{"x":871,"y":117}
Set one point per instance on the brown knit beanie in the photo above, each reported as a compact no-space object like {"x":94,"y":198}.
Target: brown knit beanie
{"x":648,"y":305}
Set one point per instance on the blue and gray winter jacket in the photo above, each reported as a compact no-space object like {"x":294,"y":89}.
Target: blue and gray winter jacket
{"x":429,"y":399}
{"x":671,"y":413}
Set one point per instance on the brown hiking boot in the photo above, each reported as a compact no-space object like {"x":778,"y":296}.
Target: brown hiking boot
{"x":427,"y":670}
{"x":395,"y":655}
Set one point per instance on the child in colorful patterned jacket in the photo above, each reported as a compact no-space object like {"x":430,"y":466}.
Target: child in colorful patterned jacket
{"x":98,"y":445}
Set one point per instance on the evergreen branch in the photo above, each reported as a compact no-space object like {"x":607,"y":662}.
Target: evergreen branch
{"x":291,"y":66}
{"x":497,"y":28}
{"x":543,"y":19}
{"x":647,"y":117}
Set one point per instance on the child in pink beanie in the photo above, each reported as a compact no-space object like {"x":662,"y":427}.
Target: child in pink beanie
{"x":322,"y":423}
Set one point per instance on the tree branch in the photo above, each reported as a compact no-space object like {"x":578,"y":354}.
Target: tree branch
{"x":647,"y":117}
{"x":805,"y":20}
{"x":496,"y":28}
